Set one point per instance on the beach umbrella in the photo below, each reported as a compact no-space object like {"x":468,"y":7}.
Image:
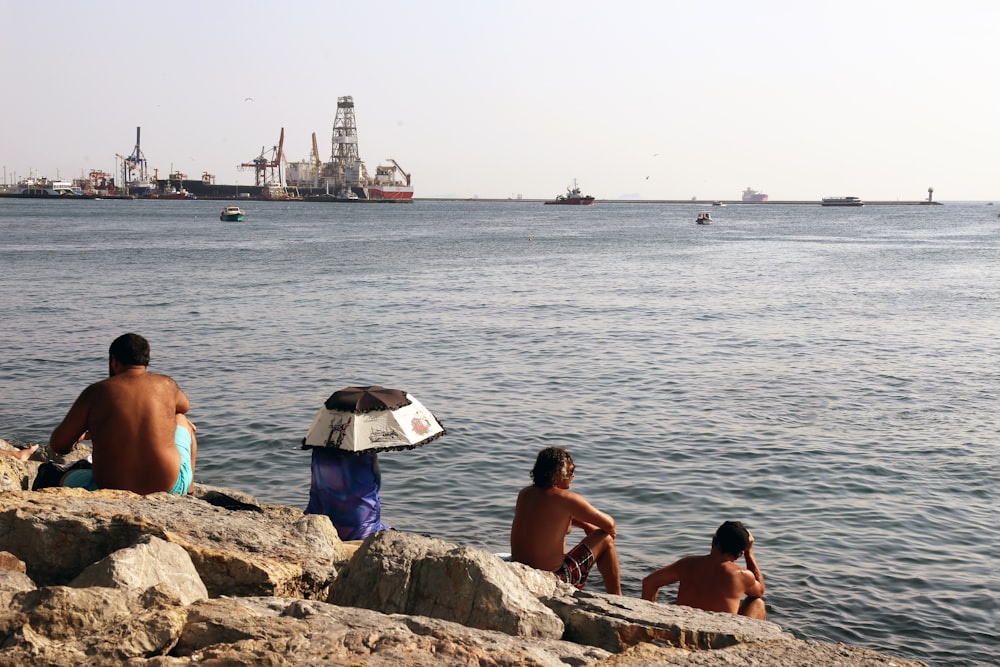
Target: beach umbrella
{"x":372,"y":419}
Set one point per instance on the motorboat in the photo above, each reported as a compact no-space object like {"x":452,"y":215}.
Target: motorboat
{"x":842,"y":201}
{"x":232,"y":214}
{"x":718,"y":203}
{"x":704,"y":218}
{"x":573,"y":196}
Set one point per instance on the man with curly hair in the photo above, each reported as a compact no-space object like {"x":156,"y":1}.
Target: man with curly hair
{"x":545,"y":514}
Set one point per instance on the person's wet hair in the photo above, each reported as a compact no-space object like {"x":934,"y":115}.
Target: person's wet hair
{"x":731,"y":538}
{"x":130,"y":350}
{"x":552,"y":464}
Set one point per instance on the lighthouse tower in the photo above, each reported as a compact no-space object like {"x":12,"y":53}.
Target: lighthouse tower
{"x":930,"y":195}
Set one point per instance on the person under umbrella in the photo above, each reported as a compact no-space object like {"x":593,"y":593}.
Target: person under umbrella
{"x":346,"y":435}
{"x":345,"y":487}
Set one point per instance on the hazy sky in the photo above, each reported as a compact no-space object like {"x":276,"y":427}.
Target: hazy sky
{"x":655,"y":100}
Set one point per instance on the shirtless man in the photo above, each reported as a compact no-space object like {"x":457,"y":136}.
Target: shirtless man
{"x":715,"y":582}
{"x":545,"y":514}
{"x":135,"y":419}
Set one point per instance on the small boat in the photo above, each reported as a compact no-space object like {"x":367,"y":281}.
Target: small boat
{"x":232,"y":214}
{"x":718,"y":203}
{"x":704,"y":218}
{"x":572,"y":197}
{"x":842,"y":201}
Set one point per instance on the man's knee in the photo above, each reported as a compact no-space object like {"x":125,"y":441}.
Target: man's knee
{"x":600,"y":542}
{"x":753,"y":608}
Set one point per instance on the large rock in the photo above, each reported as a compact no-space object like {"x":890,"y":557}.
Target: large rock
{"x":276,"y":551}
{"x":69,"y":626}
{"x":402,"y":573}
{"x":615,"y":622}
{"x":150,"y":563}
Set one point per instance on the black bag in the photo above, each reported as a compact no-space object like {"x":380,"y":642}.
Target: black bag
{"x":49,"y":473}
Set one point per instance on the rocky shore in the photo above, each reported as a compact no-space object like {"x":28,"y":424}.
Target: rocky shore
{"x":217,"y":579}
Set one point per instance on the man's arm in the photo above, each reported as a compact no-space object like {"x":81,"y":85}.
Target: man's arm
{"x":72,"y":427}
{"x":183,"y":404}
{"x":583,"y":513}
{"x":756,"y":588}
{"x":665,"y":576}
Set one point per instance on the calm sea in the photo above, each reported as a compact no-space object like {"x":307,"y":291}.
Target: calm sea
{"x":828,"y":376}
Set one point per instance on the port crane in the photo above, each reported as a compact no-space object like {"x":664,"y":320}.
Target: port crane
{"x":134,"y":166}
{"x":406,"y":175}
{"x":267,"y":163}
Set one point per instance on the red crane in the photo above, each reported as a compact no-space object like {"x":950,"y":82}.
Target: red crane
{"x":268,"y":164}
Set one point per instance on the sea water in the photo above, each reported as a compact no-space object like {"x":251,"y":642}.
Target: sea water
{"x":828,"y":376}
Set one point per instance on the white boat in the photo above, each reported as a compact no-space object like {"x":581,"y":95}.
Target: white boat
{"x":232,"y":214}
{"x":704,"y":218}
{"x":842,"y":201}
{"x":43,"y":187}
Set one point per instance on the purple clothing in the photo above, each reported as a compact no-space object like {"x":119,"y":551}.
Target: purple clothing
{"x":345,"y":487}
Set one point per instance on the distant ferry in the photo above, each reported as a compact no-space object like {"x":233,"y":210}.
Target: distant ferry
{"x":43,"y":187}
{"x":754,"y":196}
{"x":842,"y":201}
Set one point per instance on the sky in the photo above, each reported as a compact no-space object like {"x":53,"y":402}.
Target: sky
{"x":656,"y":99}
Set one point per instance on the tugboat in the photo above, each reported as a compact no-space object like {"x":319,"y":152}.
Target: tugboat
{"x":572,"y":197}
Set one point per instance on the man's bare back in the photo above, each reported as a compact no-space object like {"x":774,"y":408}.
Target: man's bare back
{"x":131,"y":418}
{"x":542,"y":519}
{"x":714,"y":582}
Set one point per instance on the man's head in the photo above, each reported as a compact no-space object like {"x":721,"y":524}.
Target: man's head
{"x":731,"y":538}
{"x":554,"y":464}
{"x":130,"y":350}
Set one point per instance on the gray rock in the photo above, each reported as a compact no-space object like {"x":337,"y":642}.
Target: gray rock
{"x":59,"y":532}
{"x":402,"y":573}
{"x":151,"y":562}
{"x":614,"y":623}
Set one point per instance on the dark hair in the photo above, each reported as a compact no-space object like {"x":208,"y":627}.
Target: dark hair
{"x":130,"y":349}
{"x":731,"y":538}
{"x":552,"y":464}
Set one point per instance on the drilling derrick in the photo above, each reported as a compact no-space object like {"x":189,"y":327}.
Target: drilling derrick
{"x":345,"y":169}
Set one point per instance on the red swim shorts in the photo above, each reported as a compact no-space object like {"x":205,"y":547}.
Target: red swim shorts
{"x":576,"y":565}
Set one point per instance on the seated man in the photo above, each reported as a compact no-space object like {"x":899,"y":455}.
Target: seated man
{"x":546,"y":512}
{"x":135,"y":419}
{"x":715,"y":582}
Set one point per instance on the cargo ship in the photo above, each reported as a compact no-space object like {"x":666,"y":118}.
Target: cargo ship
{"x":751,"y":196}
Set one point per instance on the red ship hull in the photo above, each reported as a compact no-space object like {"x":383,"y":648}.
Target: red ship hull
{"x":396,"y":192}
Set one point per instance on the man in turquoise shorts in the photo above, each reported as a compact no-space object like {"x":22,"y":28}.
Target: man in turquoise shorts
{"x":143,"y":442}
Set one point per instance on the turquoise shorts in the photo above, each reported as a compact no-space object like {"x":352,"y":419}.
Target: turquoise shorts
{"x":84,"y":479}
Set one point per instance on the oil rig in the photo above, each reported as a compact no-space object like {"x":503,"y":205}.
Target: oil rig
{"x":345,"y":176}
